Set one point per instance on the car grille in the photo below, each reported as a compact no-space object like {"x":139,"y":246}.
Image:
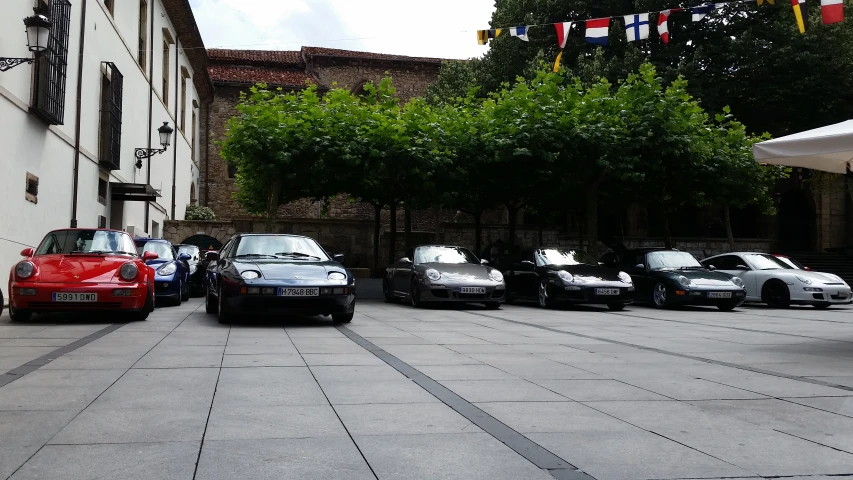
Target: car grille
{"x":440,"y":293}
{"x":498,"y":294}
{"x":73,"y":306}
{"x":840,"y":296}
{"x":471,"y":296}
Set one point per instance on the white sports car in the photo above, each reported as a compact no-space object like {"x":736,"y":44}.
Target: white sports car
{"x":772,"y":281}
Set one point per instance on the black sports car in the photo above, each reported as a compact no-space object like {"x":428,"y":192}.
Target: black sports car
{"x":196,"y":279}
{"x":666,"y":278}
{"x":278,"y":274}
{"x":553,"y":274}
{"x":441,"y":273}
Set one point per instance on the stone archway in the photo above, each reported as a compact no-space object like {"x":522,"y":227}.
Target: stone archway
{"x":358,"y":87}
{"x":797,"y":221}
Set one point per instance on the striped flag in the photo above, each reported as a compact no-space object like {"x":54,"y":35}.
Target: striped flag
{"x":663,"y":24}
{"x":801,"y":12}
{"x":563,"y":33}
{"x":483,"y":36}
{"x":520,"y":32}
{"x":832,"y":11}
{"x":597,"y":30}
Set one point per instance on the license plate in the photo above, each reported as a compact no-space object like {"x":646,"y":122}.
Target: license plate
{"x":477,"y":290}
{"x":719,"y":294}
{"x":607,"y":291}
{"x":75,"y":297}
{"x":298,"y":292}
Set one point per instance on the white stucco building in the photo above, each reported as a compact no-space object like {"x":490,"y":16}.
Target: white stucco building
{"x":114,"y":71}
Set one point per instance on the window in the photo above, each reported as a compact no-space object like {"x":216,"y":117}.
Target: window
{"x":192,"y":193}
{"x":32,"y":192}
{"x":162,"y":249}
{"x":232,"y":171}
{"x":143,"y":33}
{"x":51,"y":67}
{"x":452,"y":255}
{"x":183,"y":99}
{"x":112,"y":86}
{"x":155,"y":229}
{"x":671,"y":259}
{"x":67,"y":241}
{"x":194,"y":126}
{"x":727,"y":262}
{"x":102,"y":221}
{"x":167,"y":43}
{"x":102,"y":192}
{"x":110,"y":4}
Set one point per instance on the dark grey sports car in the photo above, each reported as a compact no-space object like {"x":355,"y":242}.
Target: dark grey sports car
{"x":441,"y":273}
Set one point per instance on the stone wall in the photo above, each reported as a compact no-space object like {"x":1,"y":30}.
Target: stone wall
{"x":411,"y":79}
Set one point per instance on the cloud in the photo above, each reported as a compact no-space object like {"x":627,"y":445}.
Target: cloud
{"x":386,"y":26}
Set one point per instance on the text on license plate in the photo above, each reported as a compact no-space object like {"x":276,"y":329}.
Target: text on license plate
{"x":298,"y":292}
{"x":75,"y":297}
{"x":719,"y":294}
{"x":479,"y":290}
{"x":607,"y":291}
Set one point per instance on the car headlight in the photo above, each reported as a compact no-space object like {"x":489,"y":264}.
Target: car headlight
{"x":433,"y":274}
{"x":128,"y":271}
{"x":250,"y":275}
{"x":737,"y":281}
{"x":807,"y":281}
{"x":684,"y":281}
{"x":193,"y":269}
{"x":625,"y":277}
{"x":496,"y":275}
{"x":25,"y":269}
{"x":166,"y":270}
{"x":337,"y":276}
{"x":565,"y":276}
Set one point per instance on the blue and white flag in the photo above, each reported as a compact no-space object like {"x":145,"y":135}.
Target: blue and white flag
{"x":702,"y":10}
{"x":637,"y":27}
{"x":520,"y":32}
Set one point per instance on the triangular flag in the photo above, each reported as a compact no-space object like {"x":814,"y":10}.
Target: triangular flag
{"x":832,"y":11}
{"x":801,"y":12}
{"x":557,"y":62}
{"x":637,"y":27}
{"x":563,"y":33}
{"x":702,"y":10}
{"x":771,"y":2}
{"x":497,"y":32}
{"x":597,"y":30}
{"x":663,"y":24}
{"x":482,"y":37}
{"x":520,"y":32}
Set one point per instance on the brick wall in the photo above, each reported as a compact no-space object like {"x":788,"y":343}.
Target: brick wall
{"x":410,"y":79}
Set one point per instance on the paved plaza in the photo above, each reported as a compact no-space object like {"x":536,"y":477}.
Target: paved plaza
{"x":400,"y":393}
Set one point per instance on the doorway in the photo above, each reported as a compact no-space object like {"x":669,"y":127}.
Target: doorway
{"x":797,"y":221}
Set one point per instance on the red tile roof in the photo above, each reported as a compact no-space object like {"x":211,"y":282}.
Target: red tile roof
{"x":252,"y":75}
{"x":334,"y":52}
{"x":256,"y":57}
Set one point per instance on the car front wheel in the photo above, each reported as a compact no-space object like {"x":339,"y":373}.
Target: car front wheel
{"x":544,"y":299}
{"x":776,"y":294}
{"x":18,"y":315}
{"x":415,"y":295}
{"x":342,"y":317}
{"x":210,"y":305}
{"x":224,"y":315}
{"x":659,"y":296}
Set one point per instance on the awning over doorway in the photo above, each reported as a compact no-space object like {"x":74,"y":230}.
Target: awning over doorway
{"x":828,"y":149}
{"x":133,"y":192}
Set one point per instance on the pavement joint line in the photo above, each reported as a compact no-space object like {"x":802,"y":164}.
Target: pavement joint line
{"x":530,"y":450}
{"x":813,"y":441}
{"x":675,"y":354}
{"x":43,"y":360}
{"x":210,"y":410}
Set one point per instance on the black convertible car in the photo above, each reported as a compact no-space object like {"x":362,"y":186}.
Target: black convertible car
{"x":666,"y":278}
{"x":553,"y":274}
{"x":278,"y":274}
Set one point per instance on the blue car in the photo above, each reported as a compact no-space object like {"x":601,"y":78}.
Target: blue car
{"x":172,"y":271}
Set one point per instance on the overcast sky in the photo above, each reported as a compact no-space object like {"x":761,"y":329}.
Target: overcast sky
{"x":432,"y":28}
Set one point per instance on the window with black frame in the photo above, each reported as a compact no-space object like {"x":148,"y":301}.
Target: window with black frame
{"x":112,"y":92}
{"x":51,"y":67}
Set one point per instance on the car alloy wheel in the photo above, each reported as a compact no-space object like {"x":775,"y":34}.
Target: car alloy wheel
{"x":544,"y":299}
{"x":415,"y":294}
{"x":659,"y":295}
{"x":776,"y":294}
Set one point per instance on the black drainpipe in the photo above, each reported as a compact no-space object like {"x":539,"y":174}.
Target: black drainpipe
{"x":77,"y":122}
{"x":178,"y":130}
{"x":150,"y":108}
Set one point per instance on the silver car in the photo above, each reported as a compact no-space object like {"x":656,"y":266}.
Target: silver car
{"x":442,"y":273}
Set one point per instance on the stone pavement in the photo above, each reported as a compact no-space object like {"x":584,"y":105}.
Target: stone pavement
{"x":518,"y":393}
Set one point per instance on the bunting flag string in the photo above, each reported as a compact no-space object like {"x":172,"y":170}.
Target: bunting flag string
{"x":832,"y":11}
{"x":801,"y":14}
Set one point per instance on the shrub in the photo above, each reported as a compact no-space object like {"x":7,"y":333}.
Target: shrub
{"x":198,"y":212}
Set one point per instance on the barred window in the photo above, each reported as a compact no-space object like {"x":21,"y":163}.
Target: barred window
{"x":51,"y":67}
{"x":112,"y":92}
{"x":143,"y":33}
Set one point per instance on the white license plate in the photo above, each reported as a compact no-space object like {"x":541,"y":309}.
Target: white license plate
{"x":75,"y":297}
{"x":607,"y":291}
{"x":298,"y":292}
{"x":719,"y":294}
{"x":477,"y":290}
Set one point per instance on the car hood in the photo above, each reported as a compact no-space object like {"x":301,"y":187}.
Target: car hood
{"x":79,"y":268}
{"x":594,"y":272}
{"x":291,"y":269}
{"x":704,"y":278}
{"x":460,"y":271}
{"x":157,"y":262}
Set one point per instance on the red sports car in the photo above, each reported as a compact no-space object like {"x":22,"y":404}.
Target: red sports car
{"x":82,"y":270}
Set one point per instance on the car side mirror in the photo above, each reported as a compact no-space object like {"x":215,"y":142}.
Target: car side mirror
{"x":146,"y":256}
{"x":640,"y":266}
{"x":211,"y":256}
{"x":807,"y":269}
{"x":184,"y":257}
{"x":27,"y":252}
{"x":711,"y":268}
{"x":405,"y":260}
{"x":338,"y":258}
{"x":741,"y":267}
{"x":484,"y":262}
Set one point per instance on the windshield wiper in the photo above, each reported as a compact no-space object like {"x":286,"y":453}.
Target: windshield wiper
{"x":90,"y":252}
{"x":254,"y":255}
{"x":692,"y":267}
{"x":297,"y":254}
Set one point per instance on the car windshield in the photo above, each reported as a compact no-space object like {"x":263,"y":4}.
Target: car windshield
{"x":563,"y":256}
{"x":86,"y":241}
{"x":661,"y":260}
{"x":762,"y":261}
{"x":791,"y":263}
{"x":162,"y":249}
{"x":444,"y":255}
{"x":280,"y":246}
{"x":190,"y":250}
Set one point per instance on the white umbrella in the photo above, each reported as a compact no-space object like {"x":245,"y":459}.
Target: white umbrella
{"x":829,"y":149}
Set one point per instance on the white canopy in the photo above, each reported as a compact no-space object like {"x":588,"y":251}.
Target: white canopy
{"x":829,"y":149}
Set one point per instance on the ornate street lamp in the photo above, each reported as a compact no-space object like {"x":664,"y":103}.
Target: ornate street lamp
{"x":165,"y":140}
{"x":38,"y":35}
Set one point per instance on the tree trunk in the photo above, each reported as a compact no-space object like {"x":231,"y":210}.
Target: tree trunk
{"x":667,"y":234}
{"x":478,"y":232}
{"x":407,"y":225}
{"x":392,"y":234}
{"x":513,"y":221}
{"x":592,"y":219}
{"x":727,"y":218}
{"x":272,"y":208}
{"x":377,"y":226}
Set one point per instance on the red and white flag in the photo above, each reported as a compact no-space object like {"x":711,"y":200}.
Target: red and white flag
{"x":832,"y":11}
{"x":663,"y":24}
{"x":563,"y":32}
